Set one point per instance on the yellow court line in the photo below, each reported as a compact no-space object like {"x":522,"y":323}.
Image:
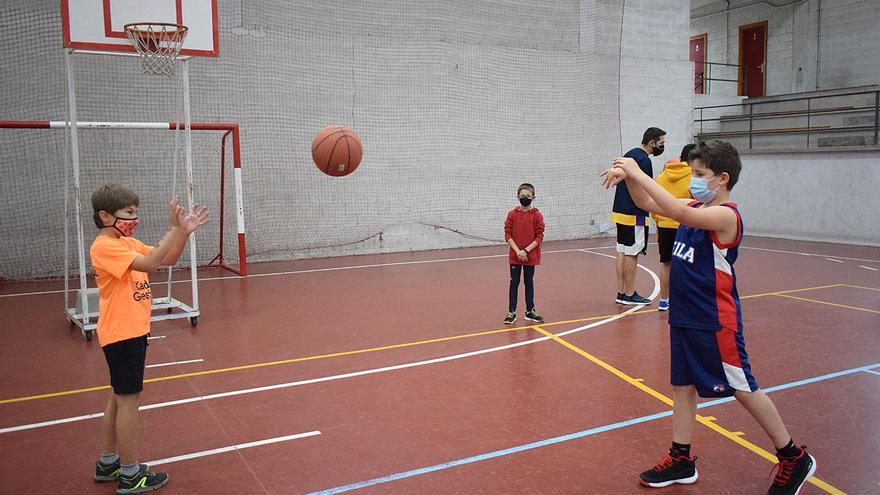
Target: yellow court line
{"x":861,"y":287}
{"x":776,"y":293}
{"x":270,"y":363}
{"x":623,"y":376}
{"x":705,"y":420}
{"x":301,"y":359}
{"x":829,"y":303}
{"x":752,"y":296}
{"x":362,"y":351}
{"x":579,"y":320}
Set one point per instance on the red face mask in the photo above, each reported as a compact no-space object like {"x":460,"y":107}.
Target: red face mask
{"x":125,"y":226}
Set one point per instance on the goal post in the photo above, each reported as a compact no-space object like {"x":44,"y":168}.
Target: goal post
{"x":229,"y":140}
{"x":217,"y":254}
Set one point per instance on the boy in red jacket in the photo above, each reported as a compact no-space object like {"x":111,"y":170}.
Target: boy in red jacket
{"x":524,"y":232}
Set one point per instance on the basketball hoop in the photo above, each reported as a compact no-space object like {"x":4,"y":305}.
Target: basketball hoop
{"x":158,"y":44}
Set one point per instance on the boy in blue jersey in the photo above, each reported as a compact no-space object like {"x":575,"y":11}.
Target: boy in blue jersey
{"x":708,"y":355}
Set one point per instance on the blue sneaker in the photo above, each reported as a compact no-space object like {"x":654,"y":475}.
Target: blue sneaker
{"x":664,"y":305}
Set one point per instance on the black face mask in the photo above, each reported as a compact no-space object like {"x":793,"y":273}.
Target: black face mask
{"x":525,"y":201}
{"x":657,"y":150}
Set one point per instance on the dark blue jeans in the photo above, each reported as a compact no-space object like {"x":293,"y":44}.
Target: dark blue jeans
{"x":515,"y":271}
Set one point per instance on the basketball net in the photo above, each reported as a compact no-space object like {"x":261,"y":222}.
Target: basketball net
{"x":158,"y":44}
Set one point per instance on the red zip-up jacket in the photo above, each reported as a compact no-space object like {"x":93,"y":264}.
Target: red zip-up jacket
{"x":524,"y":227}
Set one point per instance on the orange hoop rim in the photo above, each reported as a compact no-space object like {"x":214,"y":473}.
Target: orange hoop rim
{"x":159,"y":29}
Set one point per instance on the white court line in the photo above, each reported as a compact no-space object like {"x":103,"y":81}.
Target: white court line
{"x":159,"y":365}
{"x":444,"y":260}
{"x":417,"y":262}
{"x":372,"y":371}
{"x":156,"y":337}
{"x":871,"y":372}
{"x":868,"y":268}
{"x":834,"y":260}
{"x":316,"y":270}
{"x":809,"y":254}
{"x":230,"y":448}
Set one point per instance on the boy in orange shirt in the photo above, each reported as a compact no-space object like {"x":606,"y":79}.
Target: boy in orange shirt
{"x":121,"y":265}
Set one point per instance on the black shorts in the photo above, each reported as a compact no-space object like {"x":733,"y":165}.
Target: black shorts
{"x":632,"y":239}
{"x":665,"y":239}
{"x":126,"y":360}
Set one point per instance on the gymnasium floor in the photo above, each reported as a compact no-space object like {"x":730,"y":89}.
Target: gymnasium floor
{"x":394,"y":374}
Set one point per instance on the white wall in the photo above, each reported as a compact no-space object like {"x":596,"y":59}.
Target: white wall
{"x":811,"y":44}
{"x":722,"y":27}
{"x":827,"y":196}
{"x":656,"y":78}
{"x":849,"y":43}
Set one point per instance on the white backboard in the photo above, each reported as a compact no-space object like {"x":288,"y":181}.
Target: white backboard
{"x":98,"y":24}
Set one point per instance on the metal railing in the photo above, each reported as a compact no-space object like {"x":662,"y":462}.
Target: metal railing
{"x":809,"y":113}
{"x":703,"y":80}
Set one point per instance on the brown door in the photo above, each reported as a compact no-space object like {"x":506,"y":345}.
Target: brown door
{"x":753,"y":52}
{"x":698,"y":57}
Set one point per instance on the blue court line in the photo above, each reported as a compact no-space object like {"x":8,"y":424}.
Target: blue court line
{"x":798,"y":383}
{"x":573,"y":436}
{"x":490,"y":455}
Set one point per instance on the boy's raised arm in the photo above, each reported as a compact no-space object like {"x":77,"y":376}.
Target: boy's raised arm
{"x":641,"y":198}
{"x":151,"y":262}
{"x":715,"y":219}
{"x":172,"y":244}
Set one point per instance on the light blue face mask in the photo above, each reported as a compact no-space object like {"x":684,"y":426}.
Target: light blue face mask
{"x":699,"y":188}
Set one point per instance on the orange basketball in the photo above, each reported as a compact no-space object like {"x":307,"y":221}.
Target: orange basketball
{"x":337,"y":150}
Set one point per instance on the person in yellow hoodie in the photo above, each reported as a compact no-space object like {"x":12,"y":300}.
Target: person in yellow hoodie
{"x":675,"y":178}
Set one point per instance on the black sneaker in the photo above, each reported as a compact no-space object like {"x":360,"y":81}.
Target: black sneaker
{"x":671,"y":469}
{"x":107,"y":472}
{"x":792,"y":473}
{"x":635,"y":299}
{"x":143,"y":481}
{"x":534,"y":316}
{"x":510,"y":318}
{"x":622,"y":298}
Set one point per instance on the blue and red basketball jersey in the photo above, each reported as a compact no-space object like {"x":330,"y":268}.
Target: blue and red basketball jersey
{"x":702,"y":282}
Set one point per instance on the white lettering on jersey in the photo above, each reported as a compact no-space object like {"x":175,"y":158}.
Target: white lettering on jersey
{"x":682,"y":251}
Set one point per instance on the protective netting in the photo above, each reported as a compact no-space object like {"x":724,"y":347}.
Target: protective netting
{"x":33,"y":243}
{"x":456,"y":103}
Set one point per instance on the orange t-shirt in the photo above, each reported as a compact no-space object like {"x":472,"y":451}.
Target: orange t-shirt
{"x":126,"y":298}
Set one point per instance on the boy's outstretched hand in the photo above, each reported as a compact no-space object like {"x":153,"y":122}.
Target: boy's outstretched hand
{"x":175,"y":211}
{"x":626,"y":164}
{"x":612,"y":177}
{"x":621,"y":168}
{"x":187,"y":222}
{"x":192,"y":221}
